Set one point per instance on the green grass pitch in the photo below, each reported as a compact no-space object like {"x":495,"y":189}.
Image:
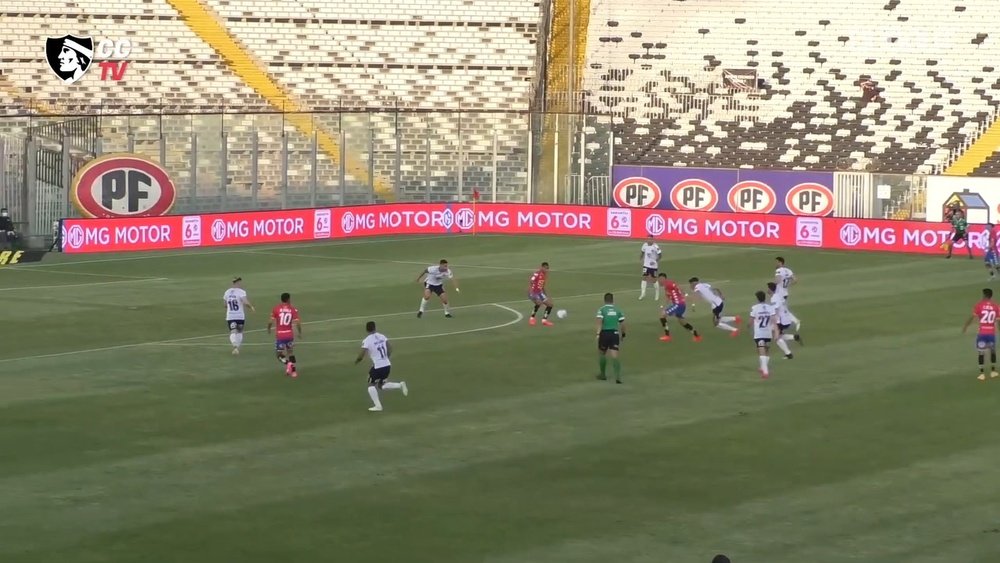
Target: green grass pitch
{"x":129,"y":433}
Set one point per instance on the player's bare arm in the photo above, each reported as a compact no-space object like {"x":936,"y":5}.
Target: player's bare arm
{"x":971,"y":319}
{"x":454,"y":283}
{"x":249,"y":305}
{"x":298,"y":327}
{"x":597,"y":326}
{"x":361,"y":356}
{"x":621,"y":329}
{"x":270,"y":323}
{"x":423,"y":273}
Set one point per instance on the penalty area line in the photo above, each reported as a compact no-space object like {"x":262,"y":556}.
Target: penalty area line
{"x":518,"y":317}
{"x":91,"y":284}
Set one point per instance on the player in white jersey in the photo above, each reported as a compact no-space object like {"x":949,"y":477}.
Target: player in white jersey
{"x":763,"y":319}
{"x":433,"y":278}
{"x":784,"y":278}
{"x":376,"y":347}
{"x":650,"y":255}
{"x":717,"y":302}
{"x":784,"y":321}
{"x":237,"y":304}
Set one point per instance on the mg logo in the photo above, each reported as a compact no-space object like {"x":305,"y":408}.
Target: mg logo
{"x":218,"y":230}
{"x":655,"y":225}
{"x":447,"y":219}
{"x":347,"y":223}
{"x":465,"y":219}
{"x":850,"y":234}
{"x":74,"y":238}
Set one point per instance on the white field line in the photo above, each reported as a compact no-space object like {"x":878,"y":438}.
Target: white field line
{"x":91,"y":284}
{"x":236,"y":250}
{"x":92,"y":274}
{"x":321,"y":321}
{"x":518,"y":317}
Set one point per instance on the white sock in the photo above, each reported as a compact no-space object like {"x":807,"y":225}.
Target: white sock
{"x":391,"y":385}
{"x":423,"y":305}
{"x":787,"y":337}
{"x":656,"y":291}
{"x":373,"y":393}
{"x":763,"y":363}
{"x":232,"y":339}
{"x":783,"y":346}
{"x":239,"y":339}
{"x":726,"y":327}
{"x":643,"y":292}
{"x":726,"y":319}
{"x":447,"y":310}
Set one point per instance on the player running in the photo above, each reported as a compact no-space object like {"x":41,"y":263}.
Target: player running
{"x":784,"y":321}
{"x":991,"y":258}
{"x":283,"y":316}
{"x":236,"y":302}
{"x":376,"y":346}
{"x":716,"y":300}
{"x":762,"y":321}
{"x":959,"y":230}
{"x":784,"y":278}
{"x":610,"y":333}
{"x":650,"y":255}
{"x":675,"y":309}
{"x":434,"y":278}
{"x":537,"y":295}
{"x":985,"y":312}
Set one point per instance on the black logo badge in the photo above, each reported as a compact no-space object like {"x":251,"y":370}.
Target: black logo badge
{"x":69,"y":56}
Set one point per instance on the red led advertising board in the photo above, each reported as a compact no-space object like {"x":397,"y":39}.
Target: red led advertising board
{"x":300,"y":225}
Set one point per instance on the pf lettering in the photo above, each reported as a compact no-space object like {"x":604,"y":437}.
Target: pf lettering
{"x":128,"y":185}
{"x":809,"y":201}
{"x":695,"y":198}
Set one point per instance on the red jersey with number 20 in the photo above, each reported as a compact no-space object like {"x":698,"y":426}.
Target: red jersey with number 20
{"x":283,"y":315}
{"x":537,"y":282}
{"x":987,"y":312}
{"x":674,"y":292}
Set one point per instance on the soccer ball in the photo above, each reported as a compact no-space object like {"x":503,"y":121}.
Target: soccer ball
{"x":561,"y":313}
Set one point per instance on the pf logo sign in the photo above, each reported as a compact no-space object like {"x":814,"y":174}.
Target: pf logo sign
{"x":122,"y":185}
{"x":637,"y":192}
{"x":694,"y":195}
{"x":751,"y":196}
{"x":810,"y":199}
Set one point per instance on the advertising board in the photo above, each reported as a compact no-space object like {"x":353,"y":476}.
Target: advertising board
{"x":302,"y":225}
{"x":808,"y":194}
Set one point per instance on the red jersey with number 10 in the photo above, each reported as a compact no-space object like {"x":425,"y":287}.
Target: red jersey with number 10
{"x":538,"y":281}
{"x":283,"y":315}
{"x":987,"y":312}
{"x":673,"y":292}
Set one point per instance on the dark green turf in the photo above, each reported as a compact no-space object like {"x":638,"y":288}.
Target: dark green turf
{"x":131,"y":434}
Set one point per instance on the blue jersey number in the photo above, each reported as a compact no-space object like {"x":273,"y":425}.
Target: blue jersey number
{"x":234,"y":305}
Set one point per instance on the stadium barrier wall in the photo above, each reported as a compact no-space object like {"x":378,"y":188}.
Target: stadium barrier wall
{"x":174,"y":232}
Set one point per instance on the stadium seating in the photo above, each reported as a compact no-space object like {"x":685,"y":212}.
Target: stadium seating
{"x":657,"y":69}
{"x":330,"y":58}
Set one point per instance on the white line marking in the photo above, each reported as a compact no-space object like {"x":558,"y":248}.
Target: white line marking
{"x":321,"y":321}
{"x":519,"y":318}
{"x":71,"y":273}
{"x":209,"y":252}
{"x":65,"y":285}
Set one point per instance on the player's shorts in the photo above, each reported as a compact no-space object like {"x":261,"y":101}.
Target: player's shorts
{"x":538,"y":297}
{"x":435,"y":289}
{"x":782,"y":327}
{"x":717,"y":311}
{"x":377,"y":376}
{"x":236,"y":324}
{"x":675,"y":310}
{"x":762,"y":342}
{"x":608,"y":340}
{"x":959,"y":235}
{"x":651,"y":272}
{"x":986,"y":341}
{"x":991,"y":258}
{"x":284,"y":343}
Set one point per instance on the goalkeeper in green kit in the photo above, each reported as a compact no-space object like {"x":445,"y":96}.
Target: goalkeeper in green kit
{"x":959,"y":230}
{"x":610,"y":333}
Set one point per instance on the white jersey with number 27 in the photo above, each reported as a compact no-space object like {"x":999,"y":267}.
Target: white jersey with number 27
{"x":650,"y":255}
{"x":784,"y":278}
{"x":236,"y":300}
{"x":763,"y":317}
{"x":377,"y":346}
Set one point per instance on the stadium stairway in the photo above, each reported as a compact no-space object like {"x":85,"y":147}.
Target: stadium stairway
{"x":978,"y":153}
{"x":207,"y":25}
{"x":561,"y":86}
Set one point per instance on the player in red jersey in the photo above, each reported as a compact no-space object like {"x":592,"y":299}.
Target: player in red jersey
{"x":675,"y":309}
{"x":986,"y":312}
{"x":537,"y":295}
{"x":283,"y":316}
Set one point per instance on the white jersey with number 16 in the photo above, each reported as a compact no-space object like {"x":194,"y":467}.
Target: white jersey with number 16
{"x":377,"y":346}
{"x":236,"y":300}
{"x":763,"y":317}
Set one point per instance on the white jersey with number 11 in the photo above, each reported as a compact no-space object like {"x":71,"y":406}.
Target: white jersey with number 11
{"x":377,"y":346}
